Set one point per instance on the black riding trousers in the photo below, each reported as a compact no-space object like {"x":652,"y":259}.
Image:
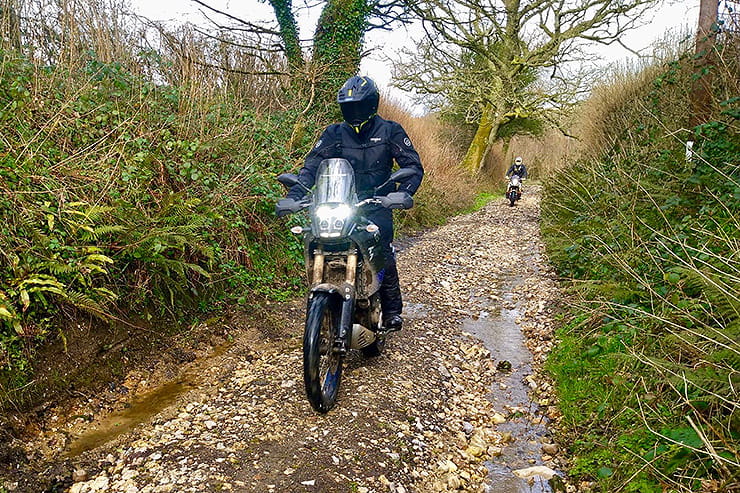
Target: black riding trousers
{"x":390,"y":289}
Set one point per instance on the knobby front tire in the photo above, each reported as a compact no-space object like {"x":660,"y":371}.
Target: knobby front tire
{"x":322,"y":367}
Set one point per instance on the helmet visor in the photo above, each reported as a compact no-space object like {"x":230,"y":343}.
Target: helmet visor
{"x":357,"y":112}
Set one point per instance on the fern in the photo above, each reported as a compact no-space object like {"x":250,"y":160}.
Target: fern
{"x":86,"y":304}
{"x":99,"y":232}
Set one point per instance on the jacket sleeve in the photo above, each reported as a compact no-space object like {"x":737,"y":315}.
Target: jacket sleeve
{"x":406,"y":157}
{"x":524,"y":168}
{"x":510,"y":171}
{"x":307,"y":174}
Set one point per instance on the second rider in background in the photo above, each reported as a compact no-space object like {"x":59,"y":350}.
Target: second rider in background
{"x":517,"y":168}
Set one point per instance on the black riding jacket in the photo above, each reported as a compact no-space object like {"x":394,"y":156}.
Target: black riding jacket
{"x":370,"y":152}
{"x":517,"y":169}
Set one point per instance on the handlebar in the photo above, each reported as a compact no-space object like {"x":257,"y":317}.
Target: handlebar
{"x":394,"y":200}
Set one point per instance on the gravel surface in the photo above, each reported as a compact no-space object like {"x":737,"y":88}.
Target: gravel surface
{"x":419,"y":418}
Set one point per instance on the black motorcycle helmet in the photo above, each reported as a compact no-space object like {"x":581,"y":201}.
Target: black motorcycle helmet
{"x":358,"y":98}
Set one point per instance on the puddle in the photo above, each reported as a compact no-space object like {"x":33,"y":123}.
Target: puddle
{"x":510,"y":394}
{"x":141,"y":409}
{"x":415,"y":310}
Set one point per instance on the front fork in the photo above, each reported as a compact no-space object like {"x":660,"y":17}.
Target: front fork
{"x":344,"y":331}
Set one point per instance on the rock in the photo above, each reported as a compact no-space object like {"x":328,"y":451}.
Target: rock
{"x":494,"y":451}
{"x":447,"y":466}
{"x":467,"y":428}
{"x":498,"y":418}
{"x":101,"y":483}
{"x":550,"y":448}
{"x":531,"y":472}
{"x":79,"y":488}
{"x":79,"y":475}
{"x":210,"y":424}
{"x":453,"y":482}
{"x":475,"y":451}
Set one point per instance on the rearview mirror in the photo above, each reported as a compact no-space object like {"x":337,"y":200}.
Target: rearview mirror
{"x":290,"y":180}
{"x":398,"y":176}
{"x":402,"y":174}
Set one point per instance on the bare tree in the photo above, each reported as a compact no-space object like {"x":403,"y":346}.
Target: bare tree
{"x":510,"y":41}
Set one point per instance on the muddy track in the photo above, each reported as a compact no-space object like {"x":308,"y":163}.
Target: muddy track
{"x":441,"y":410}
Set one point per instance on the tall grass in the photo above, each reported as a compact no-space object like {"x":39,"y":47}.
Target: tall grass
{"x":447,"y":188}
{"x":649,"y":371}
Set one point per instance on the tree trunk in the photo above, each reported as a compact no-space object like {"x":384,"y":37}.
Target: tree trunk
{"x":289,"y":33}
{"x":10,"y":27}
{"x":701,"y":97}
{"x":482,"y":142}
{"x":337,"y":43}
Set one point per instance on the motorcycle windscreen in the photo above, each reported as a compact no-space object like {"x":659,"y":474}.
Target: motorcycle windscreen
{"x":335,"y":182}
{"x":334,"y":199}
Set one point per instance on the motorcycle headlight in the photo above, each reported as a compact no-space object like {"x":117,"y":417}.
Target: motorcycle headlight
{"x":332,"y":219}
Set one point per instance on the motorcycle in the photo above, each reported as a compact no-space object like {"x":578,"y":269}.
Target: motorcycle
{"x":514,"y":190}
{"x":344,"y":266}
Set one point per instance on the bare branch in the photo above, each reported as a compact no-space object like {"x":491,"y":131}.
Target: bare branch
{"x":249,"y":26}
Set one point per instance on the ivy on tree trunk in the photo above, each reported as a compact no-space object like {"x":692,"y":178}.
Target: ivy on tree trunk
{"x":288,"y":32}
{"x":337,"y":42}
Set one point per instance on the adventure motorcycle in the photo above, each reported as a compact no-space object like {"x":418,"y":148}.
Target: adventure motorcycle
{"x":344,"y":266}
{"x":514,"y":190}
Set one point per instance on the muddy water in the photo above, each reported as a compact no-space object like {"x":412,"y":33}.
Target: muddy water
{"x":141,"y":409}
{"x":503,"y":337}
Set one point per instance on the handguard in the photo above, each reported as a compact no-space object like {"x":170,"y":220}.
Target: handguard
{"x":397,"y":200}
{"x":289,"y":206}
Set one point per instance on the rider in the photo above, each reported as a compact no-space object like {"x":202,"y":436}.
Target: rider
{"x":517,"y":168}
{"x":370,"y":144}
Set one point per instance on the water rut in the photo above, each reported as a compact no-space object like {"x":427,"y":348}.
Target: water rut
{"x":142,"y":408}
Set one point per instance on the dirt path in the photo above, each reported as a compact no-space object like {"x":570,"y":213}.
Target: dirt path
{"x":441,"y":410}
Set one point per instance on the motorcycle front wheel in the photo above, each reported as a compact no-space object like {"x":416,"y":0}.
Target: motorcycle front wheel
{"x":322,"y":366}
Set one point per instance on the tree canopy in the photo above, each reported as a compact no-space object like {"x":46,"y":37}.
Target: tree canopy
{"x":486,"y":57}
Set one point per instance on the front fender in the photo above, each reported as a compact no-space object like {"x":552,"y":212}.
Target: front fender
{"x":344,"y":291}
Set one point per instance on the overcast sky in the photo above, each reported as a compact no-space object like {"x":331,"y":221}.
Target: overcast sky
{"x":677,"y":15}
